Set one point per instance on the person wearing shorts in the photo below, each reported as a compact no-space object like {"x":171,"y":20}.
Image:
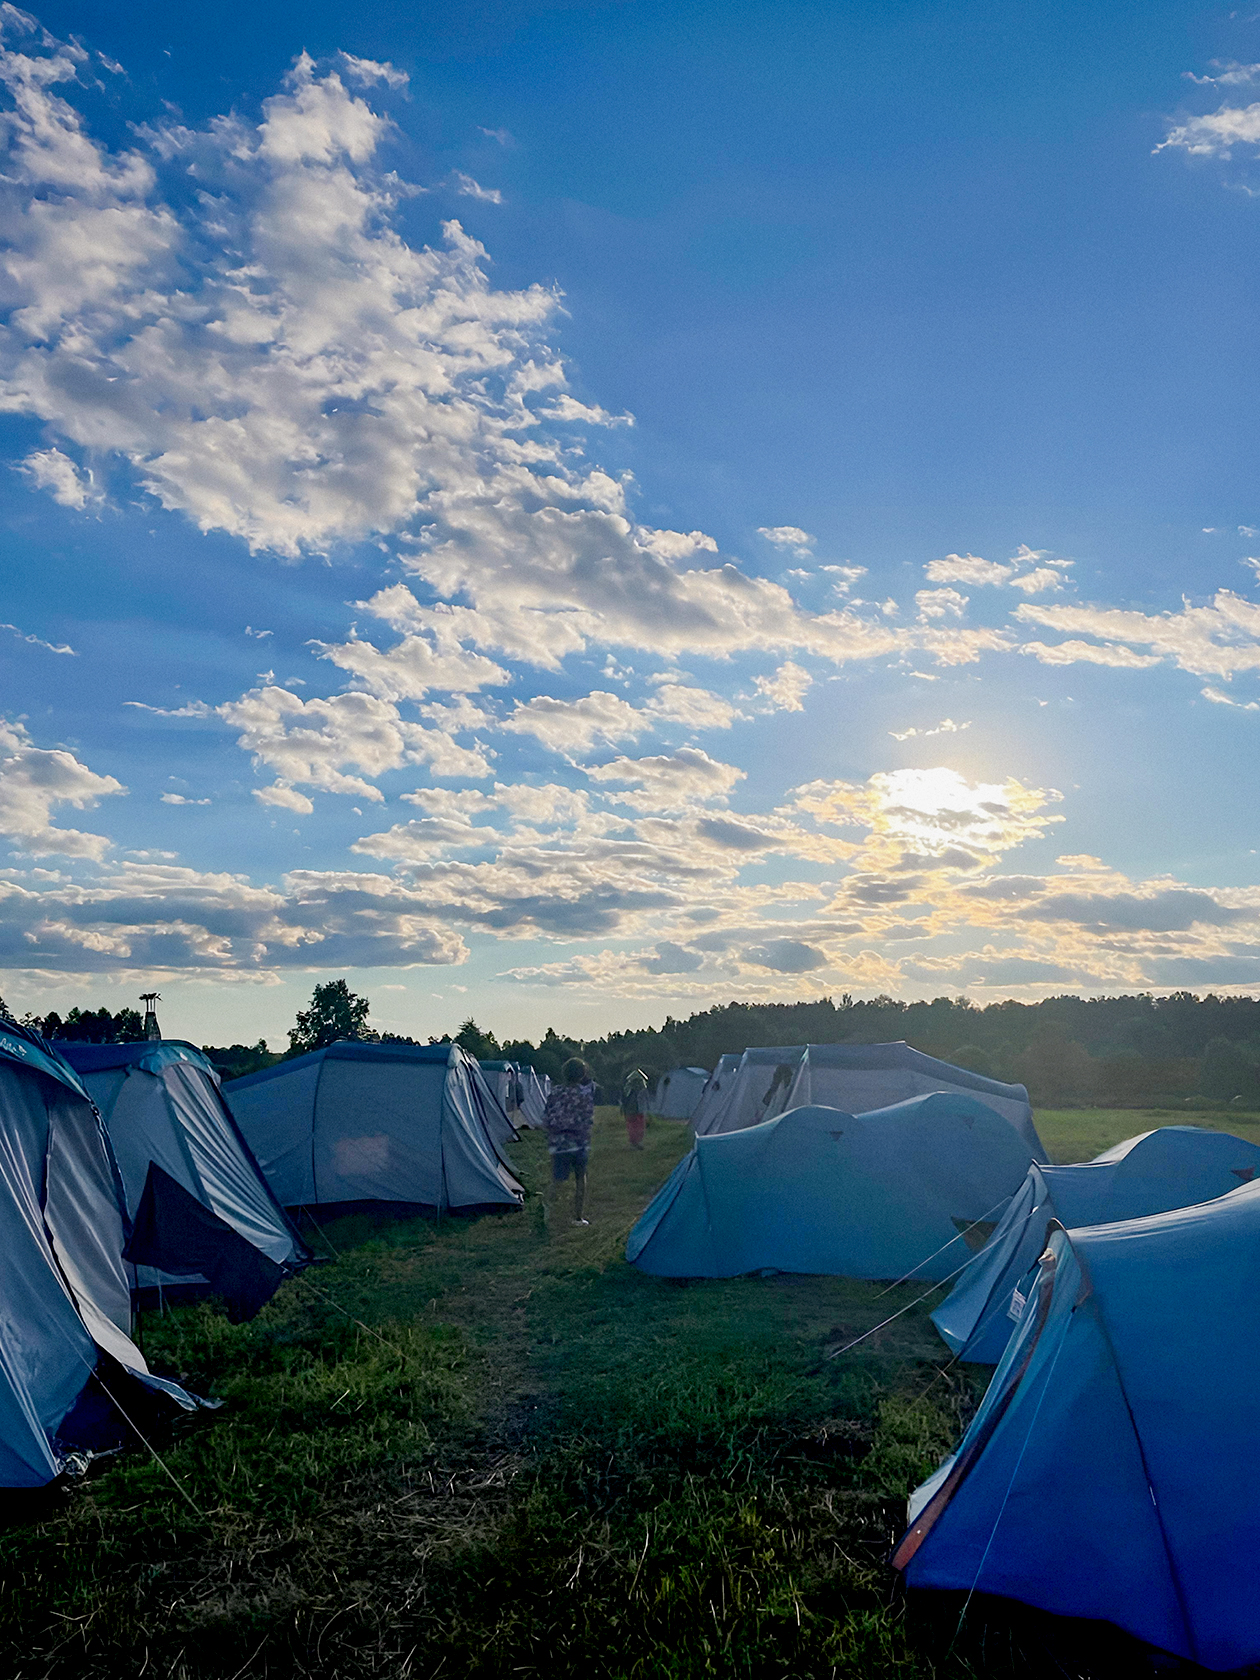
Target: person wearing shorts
{"x":568,"y":1119}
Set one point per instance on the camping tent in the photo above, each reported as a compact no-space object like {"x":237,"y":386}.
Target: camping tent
{"x":1172,"y":1167}
{"x":678,"y":1092}
{"x":503,"y":1079}
{"x":858,"y":1077}
{"x":1106,"y":1473}
{"x":757,"y":1091}
{"x":66,"y":1301}
{"x":816,"y":1190}
{"x":715,"y":1086}
{"x":412,"y":1123}
{"x":202,"y":1213}
{"x":535,"y":1092}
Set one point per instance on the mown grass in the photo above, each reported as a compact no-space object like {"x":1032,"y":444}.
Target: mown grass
{"x":1078,"y":1134}
{"x":490,"y":1447}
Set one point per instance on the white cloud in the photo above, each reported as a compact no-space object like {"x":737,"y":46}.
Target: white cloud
{"x":1089,"y":653}
{"x":940,"y":603}
{"x":842,"y":577}
{"x":39,"y":642}
{"x":1213,"y":641}
{"x":697,"y":708}
{"x":670,"y":781}
{"x":1217,"y":134}
{"x":787,"y":688}
{"x":946,"y":726}
{"x":1228,"y":74}
{"x":287,"y":798}
{"x":33,"y":781}
{"x":1038,"y":581}
{"x":570,"y":411}
{"x":788,"y":536}
{"x":967,"y":568}
{"x":180,"y":799}
{"x":49,"y":469}
{"x":573,"y":726}
{"x":1219,"y":699}
{"x":365,"y":71}
{"x":468,"y":188}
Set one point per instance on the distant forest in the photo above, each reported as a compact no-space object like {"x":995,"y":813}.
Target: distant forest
{"x":1137,"y":1051}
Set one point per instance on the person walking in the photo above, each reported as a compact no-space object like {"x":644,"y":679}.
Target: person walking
{"x":634,"y":1106}
{"x":568,"y":1118}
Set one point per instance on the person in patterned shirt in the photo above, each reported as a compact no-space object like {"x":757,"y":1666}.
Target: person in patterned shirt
{"x":568,"y":1118}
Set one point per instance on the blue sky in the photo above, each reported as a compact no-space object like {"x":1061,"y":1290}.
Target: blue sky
{"x":576,"y":512}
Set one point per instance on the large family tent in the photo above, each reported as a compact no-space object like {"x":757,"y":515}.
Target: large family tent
{"x":203,"y":1216}
{"x":904,"y":1189}
{"x":716,"y":1084}
{"x":678,"y":1092}
{"x":858,"y":1077}
{"x":66,"y":1315}
{"x":1173,"y":1167}
{"x":756,"y":1091}
{"x":397,"y":1123}
{"x":1107,"y":1472}
{"x":503,"y":1080}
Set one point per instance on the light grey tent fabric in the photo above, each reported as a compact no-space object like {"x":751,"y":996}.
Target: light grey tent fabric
{"x":678,"y":1092}
{"x":174,"y":1138}
{"x":859,"y":1077}
{"x":757,"y":1091}
{"x":534,"y":1098}
{"x":378,"y":1122}
{"x":66,"y":1298}
{"x":715,"y":1086}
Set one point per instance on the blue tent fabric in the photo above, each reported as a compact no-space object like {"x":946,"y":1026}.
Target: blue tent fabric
{"x":1171,"y":1167}
{"x":391,"y":1123}
{"x":178,"y":1144}
{"x":817,"y":1190}
{"x":66,"y":1300}
{"x":1107,"y":1473}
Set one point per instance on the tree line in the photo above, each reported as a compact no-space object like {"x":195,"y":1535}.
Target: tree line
{"x":1115,"y":1051}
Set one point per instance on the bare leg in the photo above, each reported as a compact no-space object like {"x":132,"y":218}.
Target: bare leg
{"x":579,"y":1192}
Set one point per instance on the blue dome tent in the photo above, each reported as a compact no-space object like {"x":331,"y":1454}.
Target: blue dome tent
{"x":392,"y":1123}
{"x":1172,"y":1167}
{"x":204,"y":1219}
{"x":1107,"y":1472}
{"x":905,"y":1188}
{"x":67,"y":1298}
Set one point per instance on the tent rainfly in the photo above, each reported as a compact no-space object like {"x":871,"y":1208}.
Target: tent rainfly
{"x":395,"y":1123}
{"x":202,"y":1214}
{"x":1175,"y":1166}
{"x":67,"y":1300}
{"x":756,"y":1091}
{"x":715,"y":1086}
{"x":903,"y":1189}
{"x":858,"y":1077}
{"x":678,"y":1092}
{"x":1105,"y":1472}
{"x":501,"y":1077}
{"x":535,"y":1092}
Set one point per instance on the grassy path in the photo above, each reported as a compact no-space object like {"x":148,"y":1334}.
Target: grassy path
{"x":489,"y":1447}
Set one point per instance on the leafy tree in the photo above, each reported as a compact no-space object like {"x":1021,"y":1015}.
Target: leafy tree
{"x":973,"y":1057}
{"x":234,"y":1061}
{"x":93,"y":1026}
{"x":483,"y":1045}
{"x":335,"y":1012}
{"x":1227,"y":1071}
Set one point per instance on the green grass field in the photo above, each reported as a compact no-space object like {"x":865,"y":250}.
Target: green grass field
{"x":490,"y":1447}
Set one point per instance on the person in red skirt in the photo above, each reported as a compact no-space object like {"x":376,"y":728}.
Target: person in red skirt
{"x":634,"y":1106}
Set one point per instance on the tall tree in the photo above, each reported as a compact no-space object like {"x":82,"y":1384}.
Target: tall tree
{"x":335,"y":1012}
{"x":483,"y":1045}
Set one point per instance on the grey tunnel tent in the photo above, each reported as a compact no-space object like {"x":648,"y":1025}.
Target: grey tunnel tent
{"x":1172,"y":1167}
{"x":392,"y":1123}
{"x":1108,"y":1471}
{"x":66,"y":1314}
{"x":714,"y":1088}
{"x":904,"y":1189}
{"x":678,"y":1092}
{"x":856,"y":1078}
{"x":203,"y":1216}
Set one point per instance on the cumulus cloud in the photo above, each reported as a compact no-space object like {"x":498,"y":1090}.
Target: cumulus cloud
{"x":33,"y":782}
{"x":967,"y":568}
{"x":670,"y":781}
{"x":788,"y":536}
{"x":468,"y":188}
{"x":786,"y":956}
{"x":1216,"y":134}
{"x":787,"y":688}
{"x":67,"y":484}
{"x":940,"y":603}
{"x":1219,"y":640}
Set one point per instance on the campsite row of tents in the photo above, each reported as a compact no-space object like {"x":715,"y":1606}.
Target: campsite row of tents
{"x":126,"y":1175}
{"x":1104,"y":1475}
